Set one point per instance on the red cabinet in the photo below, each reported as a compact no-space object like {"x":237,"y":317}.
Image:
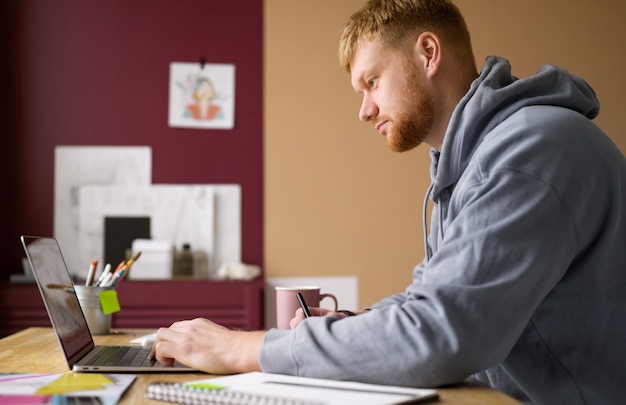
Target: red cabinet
{"x":150,"y":304}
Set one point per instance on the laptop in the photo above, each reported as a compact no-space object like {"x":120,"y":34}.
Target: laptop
{"x":68,"y":320}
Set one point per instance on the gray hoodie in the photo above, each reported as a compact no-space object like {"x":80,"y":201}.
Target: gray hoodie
{"x":524,"y":282}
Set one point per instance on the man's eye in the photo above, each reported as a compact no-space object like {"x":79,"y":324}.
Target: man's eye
{"x":371,"y":82}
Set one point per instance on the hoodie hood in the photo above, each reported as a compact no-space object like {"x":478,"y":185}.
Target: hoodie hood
{"x":492,"y":98}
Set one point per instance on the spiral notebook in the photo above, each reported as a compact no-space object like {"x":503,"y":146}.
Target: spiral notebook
{"x":266,"y":388}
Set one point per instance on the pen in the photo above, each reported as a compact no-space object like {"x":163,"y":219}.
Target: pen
{"x":117,"y":277}
{"x":119,"y":266}
{"x":91,"y":274}
{"x":303,"y":305}
{"x":107,"y":270}
{"x":105,"y":280}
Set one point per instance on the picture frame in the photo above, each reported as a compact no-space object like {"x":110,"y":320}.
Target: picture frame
{"x":202,"y":95}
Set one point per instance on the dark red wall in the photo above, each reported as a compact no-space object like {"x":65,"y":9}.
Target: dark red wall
{"x":96,"y":72}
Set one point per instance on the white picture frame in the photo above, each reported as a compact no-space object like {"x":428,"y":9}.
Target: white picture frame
{"x":202,"y":95}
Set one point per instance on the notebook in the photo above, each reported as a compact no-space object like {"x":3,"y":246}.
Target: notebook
{"x":266,"y":388}
{"x":68,"y":320}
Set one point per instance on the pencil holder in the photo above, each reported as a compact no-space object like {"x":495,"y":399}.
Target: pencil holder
{"x":98,"y":322}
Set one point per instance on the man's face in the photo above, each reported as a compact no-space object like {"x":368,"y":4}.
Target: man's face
{"x":394,"y":100}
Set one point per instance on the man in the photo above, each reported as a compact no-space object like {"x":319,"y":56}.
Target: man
{"x":522,"y":287}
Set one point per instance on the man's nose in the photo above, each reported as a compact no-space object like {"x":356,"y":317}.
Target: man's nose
{"x":368,"y":109}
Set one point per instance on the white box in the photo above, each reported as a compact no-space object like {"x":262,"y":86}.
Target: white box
{"x":156,"y":260}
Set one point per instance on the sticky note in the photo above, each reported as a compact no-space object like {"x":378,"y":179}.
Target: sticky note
{"x":109,"y":302}
{"x":75,"y":382}
{"x":205,"y":386}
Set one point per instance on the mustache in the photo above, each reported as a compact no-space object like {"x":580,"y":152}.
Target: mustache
{"x":381,"y":119}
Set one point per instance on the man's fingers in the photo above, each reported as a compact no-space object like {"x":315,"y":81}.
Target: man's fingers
{"x":161,"y":353}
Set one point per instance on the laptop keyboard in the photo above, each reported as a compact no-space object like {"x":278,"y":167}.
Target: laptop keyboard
{"x":133,"y":356}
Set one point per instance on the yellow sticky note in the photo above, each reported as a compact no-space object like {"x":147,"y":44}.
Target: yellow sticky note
{"x":75,"y":382}
{"x":109,"y":302}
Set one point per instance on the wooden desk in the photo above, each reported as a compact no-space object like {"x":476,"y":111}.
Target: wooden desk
{"x":36,"y":350}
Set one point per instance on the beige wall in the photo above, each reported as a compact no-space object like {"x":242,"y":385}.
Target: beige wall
{"x":337,"y":202}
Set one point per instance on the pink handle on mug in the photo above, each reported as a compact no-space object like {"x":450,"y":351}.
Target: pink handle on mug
{"x":322,"y":296}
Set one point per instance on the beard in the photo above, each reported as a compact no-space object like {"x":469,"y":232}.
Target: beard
{"x":411,"y":126}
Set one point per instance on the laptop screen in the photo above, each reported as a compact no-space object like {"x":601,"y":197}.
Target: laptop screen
{"x":55,"y":285}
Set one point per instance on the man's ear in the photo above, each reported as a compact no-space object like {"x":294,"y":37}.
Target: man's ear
{"x":428,"y":52}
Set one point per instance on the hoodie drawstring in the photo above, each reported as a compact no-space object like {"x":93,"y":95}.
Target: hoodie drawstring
{"x":427,"y":250}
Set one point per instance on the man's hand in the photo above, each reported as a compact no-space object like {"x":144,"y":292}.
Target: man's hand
{"x":206,"y":346}
{"x":299,"y":316}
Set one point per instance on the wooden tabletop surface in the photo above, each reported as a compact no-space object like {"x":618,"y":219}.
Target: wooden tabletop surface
{"x":36,"y":350}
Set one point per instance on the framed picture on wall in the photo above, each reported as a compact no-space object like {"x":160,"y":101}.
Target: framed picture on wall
{"x":202,"y":95}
